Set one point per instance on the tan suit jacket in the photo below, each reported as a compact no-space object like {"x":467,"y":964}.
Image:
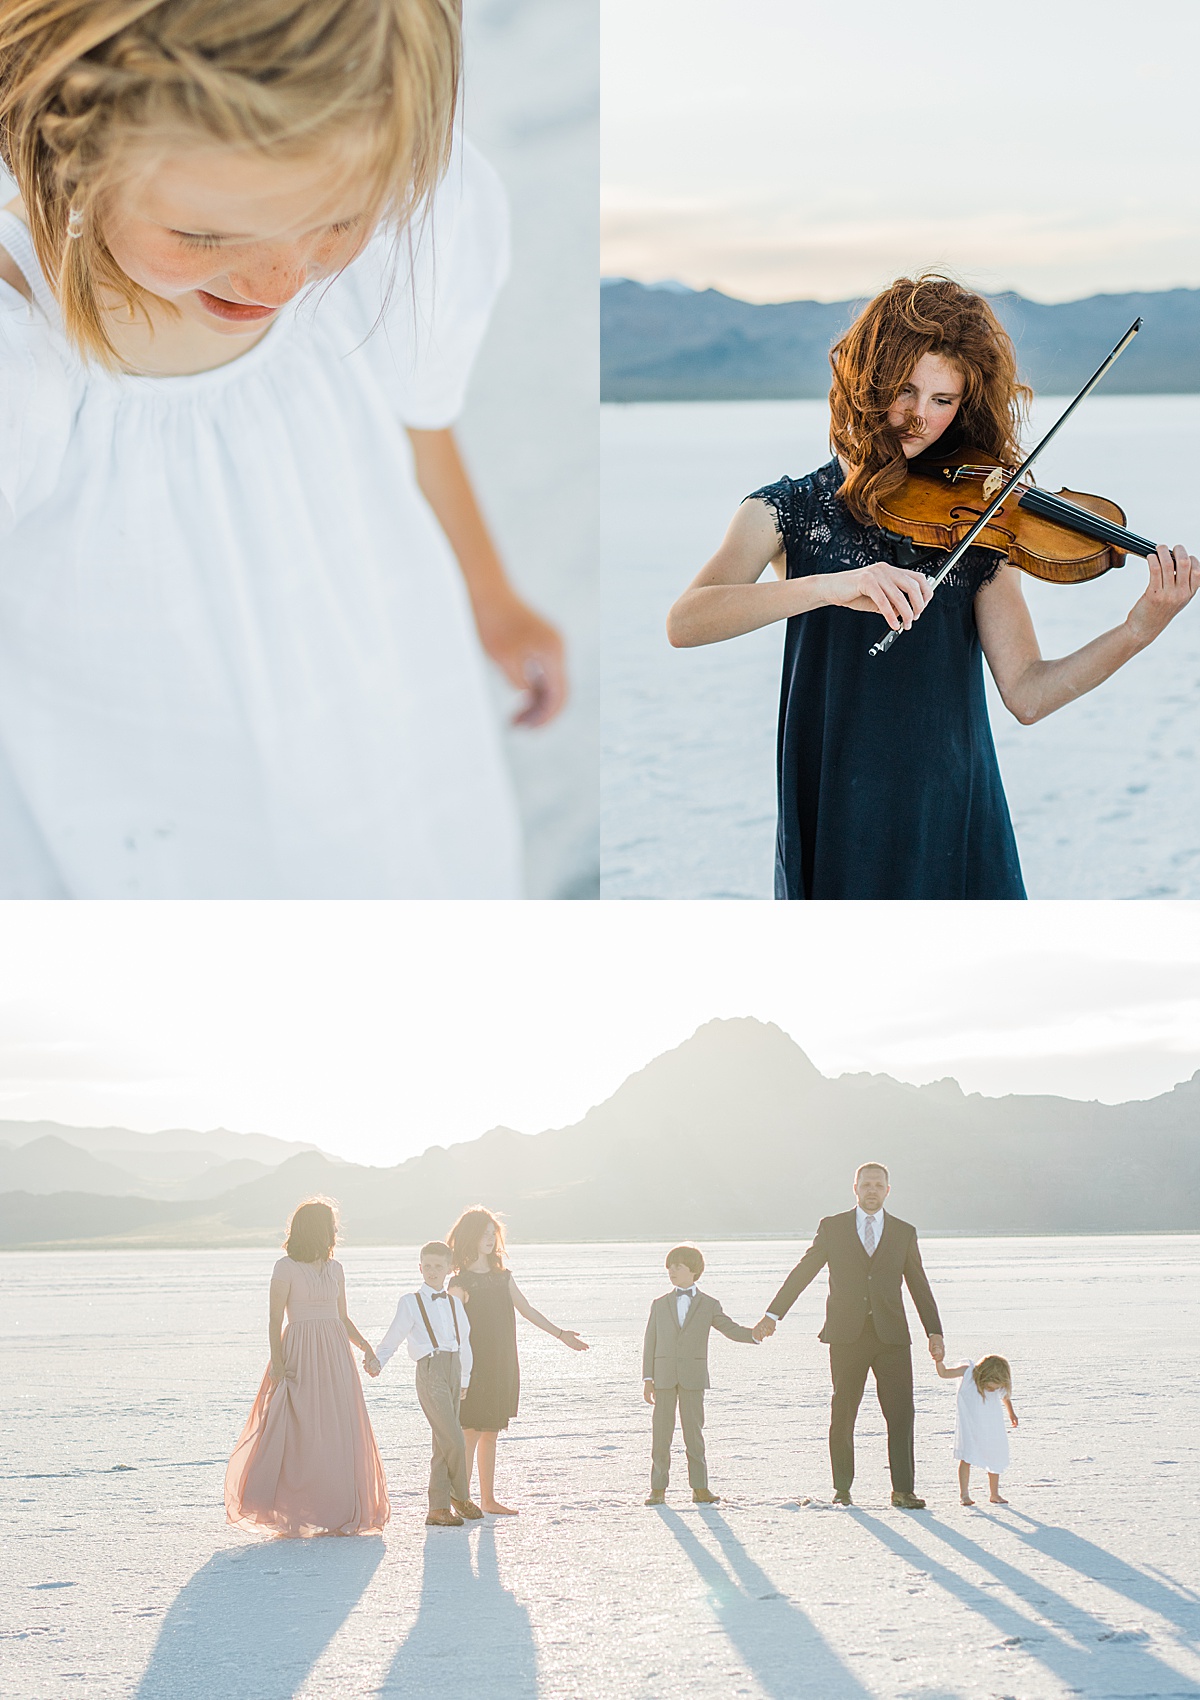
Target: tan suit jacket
{"x":678,"y":1357}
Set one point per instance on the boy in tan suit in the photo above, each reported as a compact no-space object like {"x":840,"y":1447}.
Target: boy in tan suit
{"x":675,"y":1370}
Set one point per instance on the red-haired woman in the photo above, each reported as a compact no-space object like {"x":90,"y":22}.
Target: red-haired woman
{"x":307,"y":1462}
{"x":888,"y":780}
{"x":486,"y":1286}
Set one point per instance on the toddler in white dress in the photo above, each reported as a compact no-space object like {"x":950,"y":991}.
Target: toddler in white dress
{"x":980,"y":1435}
{"x":244,"y":584}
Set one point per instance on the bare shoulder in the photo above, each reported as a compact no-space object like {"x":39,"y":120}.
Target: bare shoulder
{"x":9,"y":271}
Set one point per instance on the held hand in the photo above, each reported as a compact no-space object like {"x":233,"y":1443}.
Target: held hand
{"x":371,"y":1364}
{"x":763,"y":1328}
{"x":648,"y":1392}
{"x":570,"y":1337}
{"x":896,"y":593}
{"x":529,"y":652}
{"x":937,"y":1348}
{"x":1174,"y":580}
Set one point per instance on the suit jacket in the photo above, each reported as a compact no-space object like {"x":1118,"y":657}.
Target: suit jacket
{"x":678,"y":1357}
{"x":860,"y":1285}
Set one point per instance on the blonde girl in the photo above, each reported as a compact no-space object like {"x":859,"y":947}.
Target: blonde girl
{"x":980,"y":1437}
{"x":241,"y":289}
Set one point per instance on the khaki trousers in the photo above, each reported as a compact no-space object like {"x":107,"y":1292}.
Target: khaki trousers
{"x":439,"y":1383}
{"x":690,"y":1403}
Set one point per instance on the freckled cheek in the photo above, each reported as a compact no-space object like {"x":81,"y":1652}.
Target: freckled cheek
{"x":164,"y":270}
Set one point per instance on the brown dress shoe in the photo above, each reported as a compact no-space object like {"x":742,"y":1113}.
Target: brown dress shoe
{"x":907,"y":1502}
{"x":443,"y":1520}
{"x":656,"y":1498}
{"x":466,"y":1508}
{"x":703,"y":1497}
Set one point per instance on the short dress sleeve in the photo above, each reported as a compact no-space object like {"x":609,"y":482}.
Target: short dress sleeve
{"x":36,"y":408}
{"x":790,"y":500}
{"x":427,"y":293}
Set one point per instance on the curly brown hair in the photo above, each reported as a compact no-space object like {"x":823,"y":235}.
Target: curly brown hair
{"x":930,"y":314}
{"x":466,"y":1237}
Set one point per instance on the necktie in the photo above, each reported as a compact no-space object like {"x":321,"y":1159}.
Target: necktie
{"x":441,"y":1295}
{"x":869,"y":1234}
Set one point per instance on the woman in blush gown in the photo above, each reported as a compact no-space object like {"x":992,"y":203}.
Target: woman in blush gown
{"x":307,"y":1462}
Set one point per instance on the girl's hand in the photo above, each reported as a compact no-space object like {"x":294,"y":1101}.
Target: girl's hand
{"x":894,"y":592}
{"x":529,"y":652}
{"x":371,"y":1363}
{"x":1174,"y":580}
{"x":276,"y":1372}
{"x":570,"y":1337}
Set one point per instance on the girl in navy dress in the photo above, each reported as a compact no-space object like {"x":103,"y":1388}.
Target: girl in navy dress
{"x":485,"y":1285}
{"x":888,"y":785}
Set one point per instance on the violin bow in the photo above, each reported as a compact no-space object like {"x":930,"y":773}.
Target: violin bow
{"x":889,"y":637}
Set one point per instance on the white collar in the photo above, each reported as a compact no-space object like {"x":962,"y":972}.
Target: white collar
{"x":435,"y":1292}
{"x":868,"y":1215}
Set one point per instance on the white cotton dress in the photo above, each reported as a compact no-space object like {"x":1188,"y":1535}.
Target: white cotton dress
{"x":237,"y":657}
{"x":981,"y":1427}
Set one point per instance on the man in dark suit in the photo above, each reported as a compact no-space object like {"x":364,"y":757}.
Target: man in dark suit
{"x":868,"y":1254}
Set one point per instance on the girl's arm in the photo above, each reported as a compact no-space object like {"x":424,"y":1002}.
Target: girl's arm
{"x":526,"y":648}
{"x":946,"y":1372}
{"x":1032,"y":688}
{"x":1012,"y":1415}
{"x":725,"y":598}
{"x":568,"y":1336}
{"x":279,"y":1293}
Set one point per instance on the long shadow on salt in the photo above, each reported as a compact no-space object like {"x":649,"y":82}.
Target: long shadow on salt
{"x":471,"y":1635}
{"x":1177,"y":1603}
{"x":253,"y":1622}
{"x":1085,"y":1661}
{"x":771,"y":1636}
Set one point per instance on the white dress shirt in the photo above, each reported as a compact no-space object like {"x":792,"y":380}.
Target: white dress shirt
{"x":875,"y":1217}
{"x":683,"y":1302}
{"x":408,"y":1328}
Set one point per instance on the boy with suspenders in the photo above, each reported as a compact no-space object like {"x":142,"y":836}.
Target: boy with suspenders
{"x":434,"y":1327}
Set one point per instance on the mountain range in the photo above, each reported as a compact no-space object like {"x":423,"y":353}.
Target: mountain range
{"x":733,"y":1133}
{"x":675,"y":344}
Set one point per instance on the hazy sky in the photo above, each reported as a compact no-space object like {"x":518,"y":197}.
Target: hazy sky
{"x":376,"y":1030}
{"x":781,"y":148}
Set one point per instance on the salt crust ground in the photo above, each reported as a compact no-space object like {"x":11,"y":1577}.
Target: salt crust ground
{"x":1103,"y":793}
{"x":128,"y":1376}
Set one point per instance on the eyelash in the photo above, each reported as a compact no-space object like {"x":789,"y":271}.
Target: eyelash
{"x":190,"y":241}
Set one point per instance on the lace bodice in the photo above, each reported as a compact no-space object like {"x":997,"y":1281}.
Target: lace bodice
{"x":820,"y":534}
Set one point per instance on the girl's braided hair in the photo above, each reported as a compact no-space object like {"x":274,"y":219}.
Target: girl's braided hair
{"x":87,"y":87}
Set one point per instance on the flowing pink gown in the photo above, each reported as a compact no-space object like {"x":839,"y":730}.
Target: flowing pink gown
{"x":307,"y":1462}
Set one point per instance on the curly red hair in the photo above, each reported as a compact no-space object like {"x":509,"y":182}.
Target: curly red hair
{"x":929,"y":314}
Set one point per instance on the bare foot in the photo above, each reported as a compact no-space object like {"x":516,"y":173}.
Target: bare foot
{"x":996,"y":1500}
{"x":494,"y":1508}
{"x":966,"y":1501}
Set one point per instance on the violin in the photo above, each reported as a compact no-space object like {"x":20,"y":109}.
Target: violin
{"x":1066,"y":538}
{"x":996,"y":498}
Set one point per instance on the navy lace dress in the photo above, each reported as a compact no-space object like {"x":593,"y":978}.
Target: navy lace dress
{"x":888,"y":781}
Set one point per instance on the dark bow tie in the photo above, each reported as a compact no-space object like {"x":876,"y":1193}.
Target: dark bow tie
{"x":687,"y":1292}
{"x":442,"y":1295}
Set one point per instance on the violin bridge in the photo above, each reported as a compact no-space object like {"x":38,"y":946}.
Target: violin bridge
{"x":992,"y":483}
